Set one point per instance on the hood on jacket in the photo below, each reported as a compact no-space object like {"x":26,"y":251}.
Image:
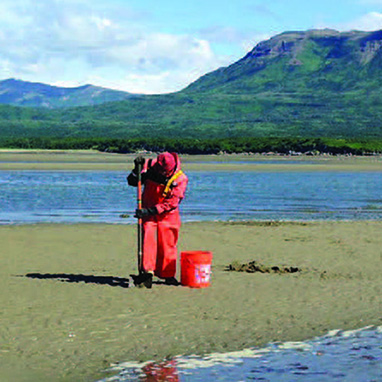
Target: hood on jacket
{"x":167,"y":163}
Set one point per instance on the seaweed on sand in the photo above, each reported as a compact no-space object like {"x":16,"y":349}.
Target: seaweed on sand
{"x":254,"y":266}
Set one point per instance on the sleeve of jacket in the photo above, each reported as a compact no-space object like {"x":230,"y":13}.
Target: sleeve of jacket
{"x":132,"y":179}
{"x":174,"y":197}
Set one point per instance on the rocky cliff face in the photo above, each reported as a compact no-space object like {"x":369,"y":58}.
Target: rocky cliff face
{"x":294,"y":58}
{"x":338,"y":44}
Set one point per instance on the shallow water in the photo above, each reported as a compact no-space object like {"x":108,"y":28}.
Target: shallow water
{"x":103,"y":196}
{"x":346,"y":356}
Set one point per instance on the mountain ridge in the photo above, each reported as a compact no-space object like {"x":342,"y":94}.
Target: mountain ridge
{"x":35,"y":94}
{"x":301,"y":52}
{"x":317,"y":83}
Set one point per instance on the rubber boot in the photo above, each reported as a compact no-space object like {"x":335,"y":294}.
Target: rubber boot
{"x":143,"y":280}
{"x":171,"y":281}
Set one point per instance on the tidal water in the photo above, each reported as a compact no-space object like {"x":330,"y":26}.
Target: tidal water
{"x":103,"y":196}
{"x":345,"y":356}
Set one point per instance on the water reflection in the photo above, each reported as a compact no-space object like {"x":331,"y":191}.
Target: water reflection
{"x":160,"y":372}
{"x":354,"y":355}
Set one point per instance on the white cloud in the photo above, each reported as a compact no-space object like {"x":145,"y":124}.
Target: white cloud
{"x":155,"y":82}
{"x":72,"y":42}
{"x":369,"y":22}
{"x":237,"y":42}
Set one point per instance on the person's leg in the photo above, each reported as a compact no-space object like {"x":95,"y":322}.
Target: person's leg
{"x":168,"y":232}
{"x":149,"y":256}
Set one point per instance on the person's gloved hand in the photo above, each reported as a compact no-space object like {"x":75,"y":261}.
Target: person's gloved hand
{"x":144,"y":212}
{"x":139,"y":161}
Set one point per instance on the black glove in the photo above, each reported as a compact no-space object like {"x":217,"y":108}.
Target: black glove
{"x":139,"y":161}
{"x":144,"y":212}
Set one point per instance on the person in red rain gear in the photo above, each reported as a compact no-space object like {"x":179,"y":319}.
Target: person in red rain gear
{"x":164,"y":188}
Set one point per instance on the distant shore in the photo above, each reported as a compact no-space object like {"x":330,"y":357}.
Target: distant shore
{"x":88,"y":160}
{"x":67,"y":313}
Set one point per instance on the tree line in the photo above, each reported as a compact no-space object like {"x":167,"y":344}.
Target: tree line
{"x":203,"y":146}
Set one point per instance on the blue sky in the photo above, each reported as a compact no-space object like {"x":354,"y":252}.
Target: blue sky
{"x":153,"y":46}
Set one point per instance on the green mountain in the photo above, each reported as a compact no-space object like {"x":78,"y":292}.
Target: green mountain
{"x":318,"y":83}
{"x":302,"y":62}
{"x":31,"y":94}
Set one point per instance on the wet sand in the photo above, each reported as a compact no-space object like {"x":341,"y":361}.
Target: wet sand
{"x":94,"y":161}
{"x":67,"y":314}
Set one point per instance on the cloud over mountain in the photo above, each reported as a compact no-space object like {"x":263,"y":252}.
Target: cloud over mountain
{"x":109,"y":46}
{"x":368,"y":22}
{"x":151,"y":46}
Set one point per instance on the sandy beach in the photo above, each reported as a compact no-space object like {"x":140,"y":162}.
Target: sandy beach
{"x":67,"y":313}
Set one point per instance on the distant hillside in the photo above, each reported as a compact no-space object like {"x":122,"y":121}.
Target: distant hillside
{"x":302,"y":63}
{"x":318,"y":83}
{"x":22,"y":93}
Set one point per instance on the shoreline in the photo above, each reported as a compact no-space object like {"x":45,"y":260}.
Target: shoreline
{"x":88,"y":160}
{"x":63,"y":328}
{"x":241,"y":357}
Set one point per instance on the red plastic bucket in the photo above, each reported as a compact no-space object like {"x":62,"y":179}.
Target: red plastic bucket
{"x":195,"y":267}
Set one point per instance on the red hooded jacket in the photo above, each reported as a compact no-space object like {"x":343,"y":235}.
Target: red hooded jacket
{"x":164,"y":183}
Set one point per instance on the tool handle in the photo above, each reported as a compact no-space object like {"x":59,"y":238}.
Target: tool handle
{"x":140,"y":223}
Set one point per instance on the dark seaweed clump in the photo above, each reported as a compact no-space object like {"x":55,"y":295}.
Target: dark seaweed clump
{"x":254,"y":266}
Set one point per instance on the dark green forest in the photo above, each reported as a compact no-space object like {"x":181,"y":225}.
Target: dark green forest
{"x":294,"y":146}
